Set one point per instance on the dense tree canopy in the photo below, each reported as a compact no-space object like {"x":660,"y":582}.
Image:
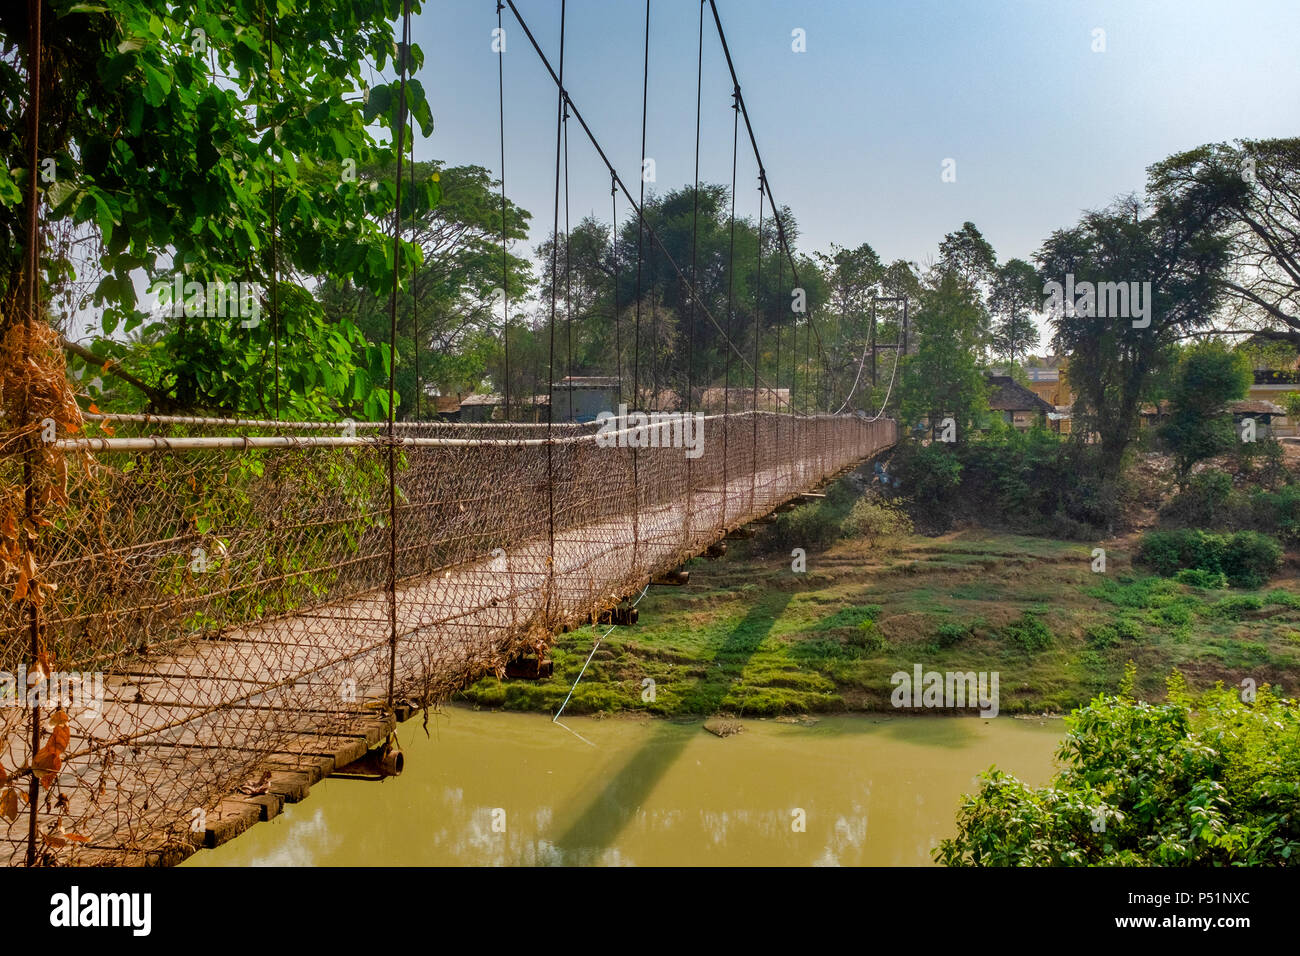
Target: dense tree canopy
{"x":182,"y":142}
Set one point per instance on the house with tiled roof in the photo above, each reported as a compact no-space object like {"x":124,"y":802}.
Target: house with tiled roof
{"x":1016,"y":405}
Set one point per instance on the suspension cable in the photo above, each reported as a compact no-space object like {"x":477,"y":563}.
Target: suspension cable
{"x":392,"y":358}
{"x":641,"y":222}
{"x":415,"y":300}
{"x":622,"y":186}
{"x":695,"y":215}
{"x":550,"y":381}
{"x":618,"y":320}
{"x":568,"y":271}
{"x":753,"y":140}
{"x":505,"y":258}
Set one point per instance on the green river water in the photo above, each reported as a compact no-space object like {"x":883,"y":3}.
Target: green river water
{"x":516,"y":789}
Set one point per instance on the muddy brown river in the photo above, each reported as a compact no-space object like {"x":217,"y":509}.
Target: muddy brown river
{"x":517,"y":789}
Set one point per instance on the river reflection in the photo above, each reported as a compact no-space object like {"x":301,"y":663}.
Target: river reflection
{"x":516,"y":789}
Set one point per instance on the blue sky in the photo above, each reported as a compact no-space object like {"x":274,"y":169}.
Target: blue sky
{"x":854,"y":130}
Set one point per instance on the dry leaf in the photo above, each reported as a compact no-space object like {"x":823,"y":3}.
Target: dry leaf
{"x":9,"y":805}
{"x":256,"y":789}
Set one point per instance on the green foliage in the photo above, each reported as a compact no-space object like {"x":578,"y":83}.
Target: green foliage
{"x":176,"y":157}
{"x":874,"y":520}
{"x":1201,"y":579}
{"x":1247,"y":559}
{"x":1115,"y":362}
{"x":1215,"y":782}
{"x":1014,"y":295}
{"x":943,"y":378}
{"x":1122,"y":628}
{"x":869,"y":638}
{"x":448,"y":312}
{"x":950,"y":633}
{"x":928,"y":474}
{"x":1207,"y":377}
{"x":811,"y":526}
{"x":1030,"y":480}
{"x":1029,"y":634}
{"x":1202,"y":502}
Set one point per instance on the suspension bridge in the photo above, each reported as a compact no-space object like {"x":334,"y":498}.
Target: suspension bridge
{"x":237,"y":608}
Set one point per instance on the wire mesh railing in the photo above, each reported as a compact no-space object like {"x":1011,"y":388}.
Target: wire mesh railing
{"x":211,"y":595}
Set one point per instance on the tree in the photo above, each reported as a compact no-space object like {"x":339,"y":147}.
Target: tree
{"x":1165,"y":261}
{"x":852,"y":277}
{"x":943,"y":378}
{"x":1207,"y":377}
{"x":1256,"y":185}
{"x":1201,"y":783}
{"x":452,"y":299}
{"x":182,"y":141}
{"x":1015,"y":293}
{"x":969,"y":254}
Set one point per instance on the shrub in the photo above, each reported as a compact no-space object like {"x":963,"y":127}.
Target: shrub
{"x":1277,"y":513}
{"x":1203,"y":501}
{"x":808,"y":526}
{"x":928,"y":473}
{"x":1250,"y":559}
{"x":1245,"y":558}
{"x":1029,"y":634}
{"x":950,"y":633}
{"x":1204,"y":580}
{"x":1236,"y":607}
{"x":1112,"y":633}
{"x":1185,"y":783}
{"x":868,"y":637}
{"x":874,"y":519}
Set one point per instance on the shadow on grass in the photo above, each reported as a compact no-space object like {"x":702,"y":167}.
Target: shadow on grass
{"x":596,"y":826}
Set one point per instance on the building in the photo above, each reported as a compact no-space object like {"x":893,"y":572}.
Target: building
{"x":1271,"y":386}
{"x":1261,"y":412}
{"x":736,"y":399}
{"x":1046,"y":378}
{"x":479,"y":408}
{"x":1017,"y":405}
{"x":580,"y":398}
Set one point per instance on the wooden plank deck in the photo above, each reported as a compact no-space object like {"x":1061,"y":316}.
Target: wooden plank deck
{"x":262,"y":686}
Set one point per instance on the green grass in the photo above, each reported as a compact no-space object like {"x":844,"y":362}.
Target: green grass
{"x":750,"y":637}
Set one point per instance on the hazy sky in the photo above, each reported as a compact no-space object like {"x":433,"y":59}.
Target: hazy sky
{"x":854,"y":131}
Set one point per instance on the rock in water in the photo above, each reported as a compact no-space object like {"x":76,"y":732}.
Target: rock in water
{"x":720,"y":727}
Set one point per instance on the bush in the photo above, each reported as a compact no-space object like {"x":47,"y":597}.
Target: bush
{"x":874,"y":519}
{"x":868,"y":637}
{"x":811,"y":526}
{"x":1237,"y":607}
{"x":1277,"y":513}
{"x":928,"y":473}
{"x":1108,"y":635}
{"x":1250,"y":559}
{"x":1029,"y":634}
{"x":1204,"y":580}
{"x":1245,"y":558}
{"x":1185,"y":783}
{"x":950,"y":633}
{"x":1203,"y":502}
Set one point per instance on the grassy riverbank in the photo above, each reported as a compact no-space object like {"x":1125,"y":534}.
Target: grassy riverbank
{"x":748,"y":636}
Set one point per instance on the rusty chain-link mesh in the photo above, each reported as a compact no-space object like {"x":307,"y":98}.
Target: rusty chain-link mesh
{"x":234,"y":600}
